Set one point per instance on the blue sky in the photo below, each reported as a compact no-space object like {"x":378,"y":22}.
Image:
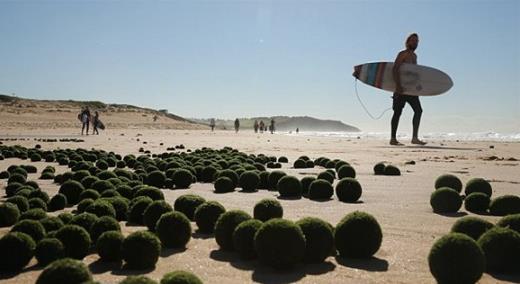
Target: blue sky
{"x":232,"y":59}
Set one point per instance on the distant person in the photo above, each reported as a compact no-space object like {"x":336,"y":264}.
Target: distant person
{"x":212,"y":124}
{"x":237,"y":125}
{"x":261,"y":125}
{"x":297,"y":130}
{"x":399,"y":99}
{"x":255,"y":126}
{"x":271,"y":127}
{"x":155,"y":117}
{"x":85,"y":119}
{"x":95,"y":123}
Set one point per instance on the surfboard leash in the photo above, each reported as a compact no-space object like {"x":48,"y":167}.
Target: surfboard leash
{"x":363,"y":105}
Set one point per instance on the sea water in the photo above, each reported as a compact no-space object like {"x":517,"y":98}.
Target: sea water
{"x":434,"y":136}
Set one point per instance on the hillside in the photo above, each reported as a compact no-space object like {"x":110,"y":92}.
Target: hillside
{"x":50,"y":114}
{"x":286,"y":123}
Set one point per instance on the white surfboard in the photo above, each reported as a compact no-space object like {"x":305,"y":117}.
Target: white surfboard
{"x":417,"y":80}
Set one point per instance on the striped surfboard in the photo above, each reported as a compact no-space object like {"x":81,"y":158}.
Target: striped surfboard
{"x":417,"y":80}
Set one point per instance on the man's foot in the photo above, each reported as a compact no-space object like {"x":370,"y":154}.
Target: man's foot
{"x":418,"y":142}
{"x":394,"y":142}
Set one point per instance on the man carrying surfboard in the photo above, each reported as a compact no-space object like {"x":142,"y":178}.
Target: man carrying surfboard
{"x":399,"y":99}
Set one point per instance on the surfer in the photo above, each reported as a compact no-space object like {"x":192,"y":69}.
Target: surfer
{"x":95,"y":123}
{"x":399,"y":99}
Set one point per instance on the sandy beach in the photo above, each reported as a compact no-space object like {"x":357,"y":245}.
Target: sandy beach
{"x":399,"y":203}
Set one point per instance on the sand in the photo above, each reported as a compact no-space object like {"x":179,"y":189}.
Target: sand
{"x":400,"y":204}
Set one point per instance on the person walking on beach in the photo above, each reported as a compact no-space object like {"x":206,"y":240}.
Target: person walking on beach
{"x":212,"y":124}
{"x":85,"y":119}
{"x":237,"y":125}
{"x":399,"y":99}
{"x":261,"y":125}
{"x":271,"y":127}
{"x":255,"y":126}
{"x":95,"y":123}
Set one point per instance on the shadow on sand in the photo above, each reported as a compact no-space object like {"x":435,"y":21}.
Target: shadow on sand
{"x":452,"y":215}
{"x":368,"y":264}
{"x":9,"y":275}
{"x":265,"y":274}
{"x":428,"y":147}
{"x":513,"y":278}
{"x":98,"y":266}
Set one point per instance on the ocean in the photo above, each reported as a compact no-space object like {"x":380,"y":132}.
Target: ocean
{"x":440,"y":136}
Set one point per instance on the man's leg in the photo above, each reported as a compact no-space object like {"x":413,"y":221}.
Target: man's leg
{"x":397,"y":106}
{"x":416,"y":121}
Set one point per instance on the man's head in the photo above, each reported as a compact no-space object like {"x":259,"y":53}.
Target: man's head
{"x":412,"y":41}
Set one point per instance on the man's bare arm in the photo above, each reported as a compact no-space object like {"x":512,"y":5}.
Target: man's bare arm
{"x":395,"y":71}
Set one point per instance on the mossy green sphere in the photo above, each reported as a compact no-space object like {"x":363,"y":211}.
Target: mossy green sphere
{"x":21,"y":202}
{"x":289,"y":187}
{"x":180,"y":277}
{"x":445,"y":200}
{"x":319,"y":239}
{"x":153,"y":192}
{"x":9,"y":214}
{"x":471,"y":226}
{"x":267,"y":209}
{"x":136,"y":209}
{"x":225,"y":226}
{"x":448,"y":180}
{"x":141,"y":250}
{"x":187,"y":203}
{"x":76,"y":241}
{"x":51,"y":223}
{"x":320,"y":189}
{"x":223,"y":185}
{"x":244,"y":238}
{"x":182,"y":178}
{"x":101,"y":225}
{"x":249,"y":181}
{"x":280,"y":243}
{"x":511,"y":222}
{"x":108,"y":245}
{"x":57,"y":202}
{"x":501,"y":247}
{"x":358,"y":235}
{"x":16,"y":250}
{"x":72,"y":190}
{"x":348,"y":190}
{"x":478,"y":185}
{"x":65,"y":270}
{"x":154,"y":211}
{"x":101,"y":208}
{"x":206,"y":216}
{"x":505,"y":205}
{"x":33,"y":214}
{"x":32,"y":228}
{"x":173,"y":229}
{"x":346,"y":171}
{"x":477,"y":202}
{"x":273,"y":178}
{"x":306,"y":182}
{"x":48,"y":250}
{"x":456,"y":258}
{"x":391,"y":170}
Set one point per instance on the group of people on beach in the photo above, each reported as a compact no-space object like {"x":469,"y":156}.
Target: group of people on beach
{"x":86,"y":118}
{"x":260,"y":126}
{"x":257,"y":126}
